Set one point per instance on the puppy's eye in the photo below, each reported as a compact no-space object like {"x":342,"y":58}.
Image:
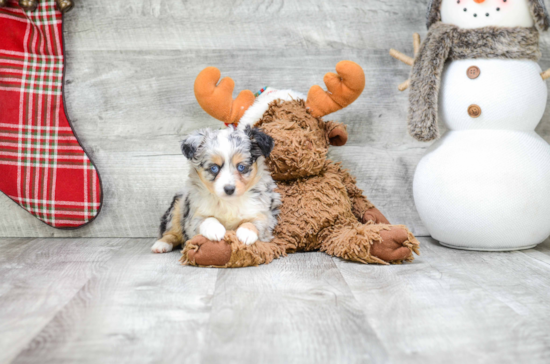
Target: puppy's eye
{"x":214,"y":169}
{"x":241,"y":168}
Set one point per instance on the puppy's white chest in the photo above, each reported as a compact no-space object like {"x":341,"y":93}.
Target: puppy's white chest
{"x":231,"y":214}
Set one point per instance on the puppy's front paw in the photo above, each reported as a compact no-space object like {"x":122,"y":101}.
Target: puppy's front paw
{"x":246,"y":236}
{"x":212,"y":229}
{"x":161,"y":247}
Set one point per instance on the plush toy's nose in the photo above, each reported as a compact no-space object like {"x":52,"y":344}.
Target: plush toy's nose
{"x":479,"y":1}
{"x":338,"y":136}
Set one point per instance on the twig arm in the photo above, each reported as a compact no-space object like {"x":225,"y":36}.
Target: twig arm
{"x":401,"y":57}
{"x":409,"y":60}
{"x":545,"y":74}
{"x":405,"y":85}
{"x":416,"y":43}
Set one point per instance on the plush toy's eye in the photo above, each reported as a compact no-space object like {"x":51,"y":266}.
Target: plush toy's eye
{"x":241,"y":168}
{"x":214,"y":169}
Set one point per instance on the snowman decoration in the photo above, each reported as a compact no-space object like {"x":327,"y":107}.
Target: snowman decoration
{"x":485,"y":184}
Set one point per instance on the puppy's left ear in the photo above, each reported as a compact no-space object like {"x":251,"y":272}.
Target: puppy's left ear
{"x":262,"y":144}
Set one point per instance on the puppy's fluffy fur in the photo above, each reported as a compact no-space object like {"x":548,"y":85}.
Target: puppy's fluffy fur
{"x":229,"y":188}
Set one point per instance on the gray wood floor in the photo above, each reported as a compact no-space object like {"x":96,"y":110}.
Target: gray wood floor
{"x":112,"y":301}
{"x":130,"y":70}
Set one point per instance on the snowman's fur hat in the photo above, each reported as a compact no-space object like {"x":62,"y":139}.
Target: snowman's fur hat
{"x":537,"y":8}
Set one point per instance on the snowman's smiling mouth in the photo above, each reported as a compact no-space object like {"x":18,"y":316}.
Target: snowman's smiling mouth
{"x":475,"y":14}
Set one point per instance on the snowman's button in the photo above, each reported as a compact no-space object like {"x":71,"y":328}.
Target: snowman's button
{"x":474,"y":111}
{"x":473,"y":72}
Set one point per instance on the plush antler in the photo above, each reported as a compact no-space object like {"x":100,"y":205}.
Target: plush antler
{"x":344,"y":87}
{"x":406,"y":59}
{"x":218,"y":101}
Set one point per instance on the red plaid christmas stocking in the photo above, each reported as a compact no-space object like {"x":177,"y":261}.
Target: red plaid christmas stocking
{"x":43,"y":167}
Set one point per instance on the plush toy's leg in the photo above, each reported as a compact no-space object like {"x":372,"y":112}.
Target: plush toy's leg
{"x":380,"y":243}
{"x":362,"y":208}
{"x":229,"y":252}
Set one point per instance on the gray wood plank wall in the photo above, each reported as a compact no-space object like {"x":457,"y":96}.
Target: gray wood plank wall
{"x":130,"y":71}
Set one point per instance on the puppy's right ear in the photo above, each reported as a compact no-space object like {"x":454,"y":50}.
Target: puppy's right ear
{"x":191,"y":143}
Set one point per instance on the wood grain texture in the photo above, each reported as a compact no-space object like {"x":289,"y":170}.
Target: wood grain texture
{"x":130,"y":72}
{"x":296,"y":310}
{"x":113,"y":301}
{"x":40,"y":277}
{"x":458,"y":306}
{"x":143,"y":308}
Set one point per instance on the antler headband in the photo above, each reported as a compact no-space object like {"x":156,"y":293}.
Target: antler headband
{"x":344,"y":87}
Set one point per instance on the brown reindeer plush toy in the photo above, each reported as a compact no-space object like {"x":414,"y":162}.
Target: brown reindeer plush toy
{"x":322,"y":208}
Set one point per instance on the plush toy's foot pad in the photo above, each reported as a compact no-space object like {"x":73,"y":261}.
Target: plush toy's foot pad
{"x":205,"y":252}
{"x":397,"y":245}
{"x":228,"y":253}
{"x":370,"y":243}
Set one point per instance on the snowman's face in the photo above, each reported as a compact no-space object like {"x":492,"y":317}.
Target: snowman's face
{"x":471,"y":14}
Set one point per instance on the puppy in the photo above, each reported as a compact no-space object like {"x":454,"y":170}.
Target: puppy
{"x":229,"y":188}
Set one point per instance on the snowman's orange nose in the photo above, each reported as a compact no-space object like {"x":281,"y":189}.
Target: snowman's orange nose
{"x":479,"y":1}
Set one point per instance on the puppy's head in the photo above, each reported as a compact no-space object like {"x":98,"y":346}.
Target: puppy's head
{"x":227,"y":161}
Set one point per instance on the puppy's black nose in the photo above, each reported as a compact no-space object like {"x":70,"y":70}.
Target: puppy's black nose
{"x":229,"y":189}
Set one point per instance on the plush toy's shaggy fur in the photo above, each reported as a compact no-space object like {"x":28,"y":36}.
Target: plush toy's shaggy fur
{"x":537,"y":8}
{"x":322,"y":208}
{"x":448,"y":42}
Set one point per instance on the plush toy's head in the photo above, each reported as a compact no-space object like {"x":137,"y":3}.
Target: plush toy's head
{"x":295,"y":123}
